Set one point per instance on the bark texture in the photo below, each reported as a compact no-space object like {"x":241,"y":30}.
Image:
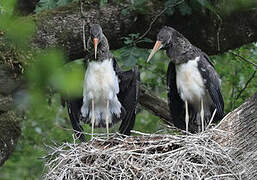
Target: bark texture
{"x":62,"y":27}
{"x":155,"y":105}
{"x":9,"y":120}
{"x":240,"y":127}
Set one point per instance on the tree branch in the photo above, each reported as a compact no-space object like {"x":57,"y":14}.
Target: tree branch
{"x":238,"y":130}
{"x":244,"y":59}
{"x":62,"y":27}
{"x":155,"y":105}
{"x":246,"y":84}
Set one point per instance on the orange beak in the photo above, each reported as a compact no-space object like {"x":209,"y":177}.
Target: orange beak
{"x":158,"y":45}
{"x":95,"y":45}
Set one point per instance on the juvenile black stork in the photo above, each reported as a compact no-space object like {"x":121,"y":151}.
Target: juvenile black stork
{"x":109,"y":94}
{"x":194,"y":87}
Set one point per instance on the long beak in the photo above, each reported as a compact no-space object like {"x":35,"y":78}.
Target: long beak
{"x":95,"y":45}
{"x":158,"y":45}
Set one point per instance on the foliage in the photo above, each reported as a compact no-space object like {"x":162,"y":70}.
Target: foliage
{"x":226,"y":6}
{"x":51,"y":4}
{"x":9,"y":24}
{"x":235,"y":74}
{"x":187,"y":7}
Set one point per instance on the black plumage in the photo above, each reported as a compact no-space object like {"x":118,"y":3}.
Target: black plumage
{"x":128,"y":82}
{"x":193,"y":84}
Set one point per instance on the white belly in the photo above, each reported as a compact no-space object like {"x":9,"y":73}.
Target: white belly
{"x":190,"y":82}
{"x":101,"y":84}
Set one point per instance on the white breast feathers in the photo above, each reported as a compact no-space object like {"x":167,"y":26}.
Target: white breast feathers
{"x":189,"y":81}
{"x":101,"y":84}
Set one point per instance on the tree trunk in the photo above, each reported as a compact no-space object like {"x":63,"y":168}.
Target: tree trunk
{"x":9,"y":120}
{"x":62,"y":27}
{"x":240,"y":132}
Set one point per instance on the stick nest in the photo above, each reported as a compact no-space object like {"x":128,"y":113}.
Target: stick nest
{"x":147,"y":156}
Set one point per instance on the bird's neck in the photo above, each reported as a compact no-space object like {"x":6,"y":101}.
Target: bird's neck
{"x":181,"y":51}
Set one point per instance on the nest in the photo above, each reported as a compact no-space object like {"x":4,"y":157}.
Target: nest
{"x":146,"y":156}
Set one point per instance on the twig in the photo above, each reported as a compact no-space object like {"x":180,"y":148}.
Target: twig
{"x":243,"y":58}
{"x":218,"y":32}
{"x":83,"y":24}
{"x":84,"y":36}
{"x":232,"y":103}
{"x":155,"y":18}
{"x":212,"y":117}
{"x":245,"y":86}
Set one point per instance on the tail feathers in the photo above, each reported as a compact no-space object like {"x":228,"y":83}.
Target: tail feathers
{"x":114,"y":114}
{"x":130,"y":117}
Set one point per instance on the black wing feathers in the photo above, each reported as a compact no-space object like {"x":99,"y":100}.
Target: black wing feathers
{"x":212,"y":84}
{"x":74,"y":106}
{"x":128,"y":97}
{"x":176,"y":104}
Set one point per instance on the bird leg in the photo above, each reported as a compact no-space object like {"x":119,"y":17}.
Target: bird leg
{"x":202,"y":115}
{"x":187,"y":116}
{"x":107,"y":117}
{"x":93,"y":118}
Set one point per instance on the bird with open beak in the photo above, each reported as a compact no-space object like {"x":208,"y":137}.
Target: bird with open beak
{"x":109,"y":94}
{"x":194,"y":87}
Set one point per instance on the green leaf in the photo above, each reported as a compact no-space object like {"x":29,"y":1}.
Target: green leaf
{"x":169,"y":4}
{"x":45,"y":66}
{"x":129,"y":57}
{"x":45,"y":4}
{"x":17,"y":30}
{"x":185,"y":9}
{"x":7,"y":6}
{"x":208,"y":5}
{"x":63,"y":2}
{"x":103,"y":2}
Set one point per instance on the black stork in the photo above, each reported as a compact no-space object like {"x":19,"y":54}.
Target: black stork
{"x":109,"y":94}
{"x":194,"y":87}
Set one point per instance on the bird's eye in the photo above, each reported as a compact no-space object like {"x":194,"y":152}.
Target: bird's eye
{"x":163,"y":38}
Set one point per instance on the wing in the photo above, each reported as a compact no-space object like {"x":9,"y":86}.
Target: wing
{"x":176,"y":104}
{"x":128,"y":96}
{"x":74,"y":106}
{"x":213,"y":85}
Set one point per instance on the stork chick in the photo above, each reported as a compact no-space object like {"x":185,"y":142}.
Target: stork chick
{"x":101,"y":85}
{"x":194,"y":87}
{"x":109,"y":94}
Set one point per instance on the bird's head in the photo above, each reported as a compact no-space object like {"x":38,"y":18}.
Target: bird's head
{"x":96,"y":34}
{"x":164,"y":39}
